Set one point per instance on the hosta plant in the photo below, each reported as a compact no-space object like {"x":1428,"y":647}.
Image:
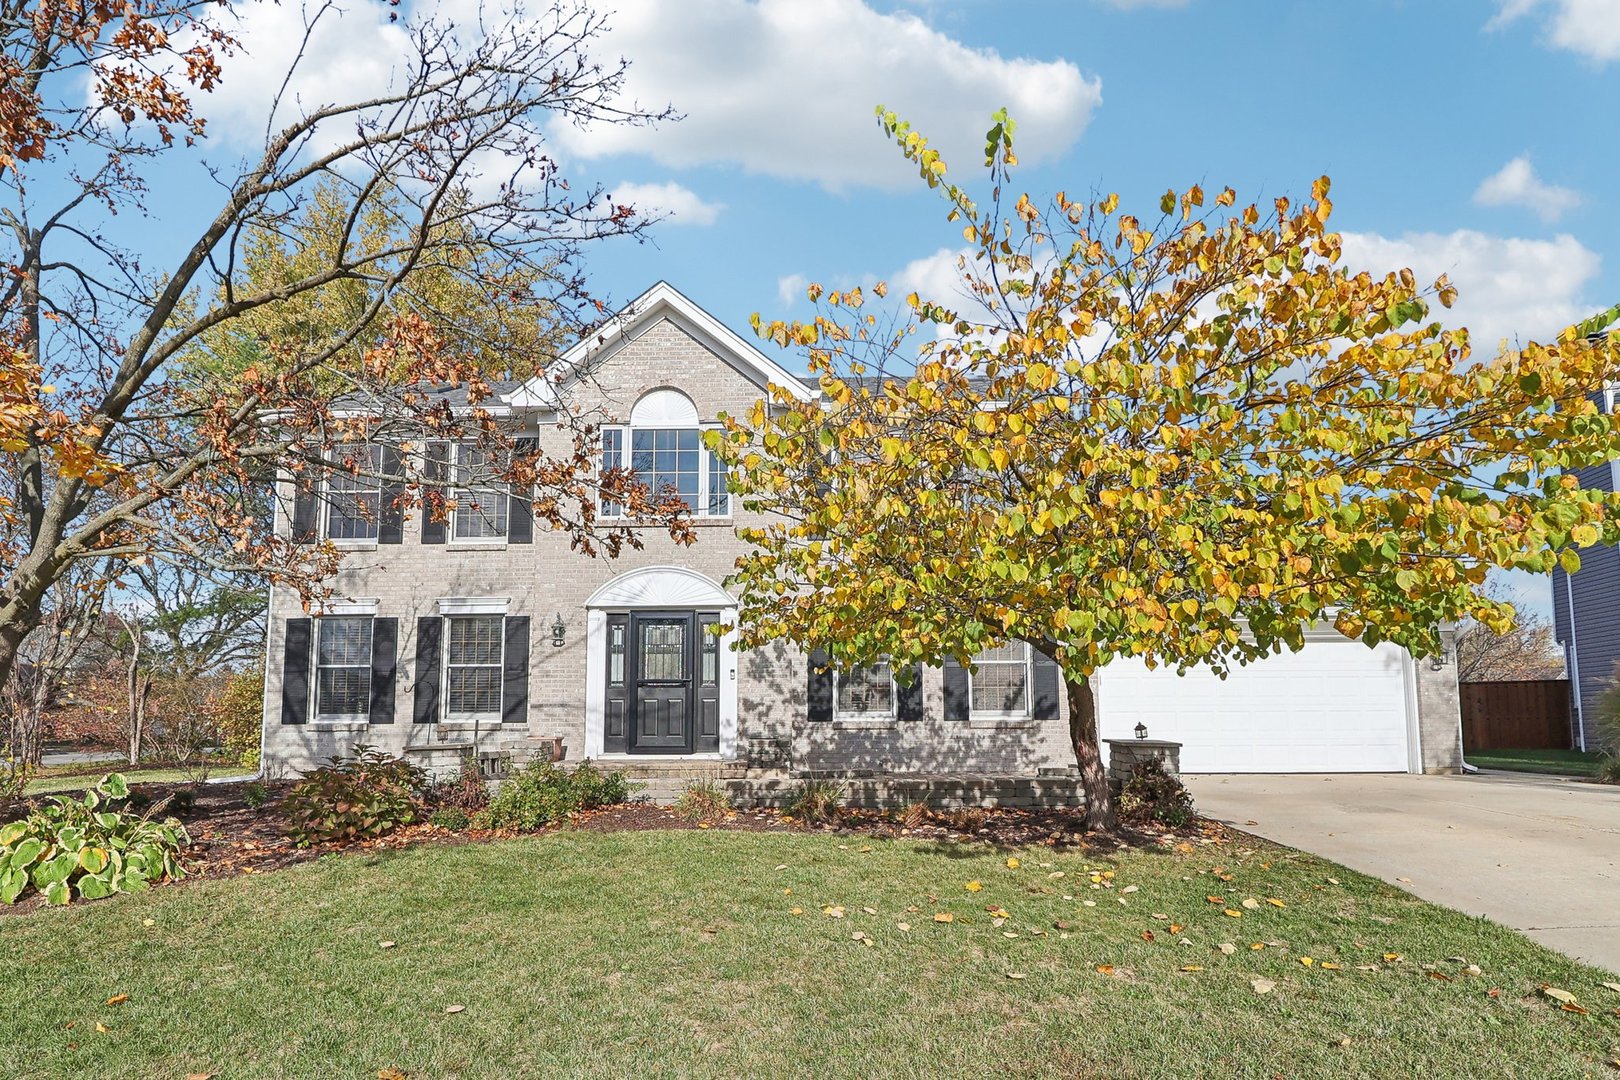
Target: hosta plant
{"x":86,"y":848}
{"x":367,"y":794}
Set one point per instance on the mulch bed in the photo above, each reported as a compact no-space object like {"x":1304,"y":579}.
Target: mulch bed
{"x":230,"y":838}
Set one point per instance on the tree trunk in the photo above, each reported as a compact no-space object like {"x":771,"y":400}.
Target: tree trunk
{"x":1088,"y":753}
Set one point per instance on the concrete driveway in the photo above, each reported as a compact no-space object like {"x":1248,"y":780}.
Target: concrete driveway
{"x":1537,"y":853}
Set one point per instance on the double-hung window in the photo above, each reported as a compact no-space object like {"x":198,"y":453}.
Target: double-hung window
{"x":472,"y":668}
{"x":354,"y":499}
{"x":481,"y":507}
{"x":343,"y":668}
{"x":999,"y":681}
{"x":866,"y":693}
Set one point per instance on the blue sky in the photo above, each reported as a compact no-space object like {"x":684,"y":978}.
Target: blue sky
{"x":1470,"y":137}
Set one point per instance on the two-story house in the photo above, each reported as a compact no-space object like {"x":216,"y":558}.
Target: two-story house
{"x":438,"y":630}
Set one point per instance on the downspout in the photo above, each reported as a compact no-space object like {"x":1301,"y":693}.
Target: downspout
{"x":1574,"y":655}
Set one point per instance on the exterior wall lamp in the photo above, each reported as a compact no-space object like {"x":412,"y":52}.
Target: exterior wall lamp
{"x":559,"y":631}
{"x":1141,"y":731}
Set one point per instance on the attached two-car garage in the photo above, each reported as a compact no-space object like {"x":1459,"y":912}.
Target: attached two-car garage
{"x":1334,"y":706}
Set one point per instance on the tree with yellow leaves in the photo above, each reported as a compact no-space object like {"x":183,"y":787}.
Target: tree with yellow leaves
{"x":1185,"y":438}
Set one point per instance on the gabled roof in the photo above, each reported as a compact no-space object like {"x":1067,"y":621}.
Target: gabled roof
{"x":663,"y":300}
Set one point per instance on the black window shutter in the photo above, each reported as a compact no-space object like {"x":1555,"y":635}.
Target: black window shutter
{"x":515,"y":672}
{"x":820,"y":693}
{"x":295,"y":671}
{"x":909,"y":698}
{"x":391,"y":516}
{"x":425,"y":709}
{"x":306,"y":508}
{"x":520,"y":512}
{"x":435,"y":470}
{"x":384,"y":653}
{"x":1048,"y":686}
{"x":957,"y":702}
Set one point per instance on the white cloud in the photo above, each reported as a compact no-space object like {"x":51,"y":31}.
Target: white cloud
{"x":1590,"y":28}
{"x":786,"y":88}
{"x":680,"y":205}
{"x":1516,"y":184}
{"x":1507,"y":287}
{"x":937,"y":277}
{"x":790,"y":288}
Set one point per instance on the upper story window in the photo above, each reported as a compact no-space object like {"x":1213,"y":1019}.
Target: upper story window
{"x":866,"y":692}
{"x":481,"y":507}
{"x":662,"y":447}
{"x":998,"y":683}
{"x":354,"y":499}
{"x":343,"y":667}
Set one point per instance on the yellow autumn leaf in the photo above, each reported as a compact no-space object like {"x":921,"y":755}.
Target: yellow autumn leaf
{"x":944,"y":916}
{"x":973,"y":886}
{"x":1013,"y":864}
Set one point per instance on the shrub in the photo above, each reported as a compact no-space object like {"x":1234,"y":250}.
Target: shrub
{"x":255,"y":794}
{"x":968,"y":819}
{"x":78,"y":847}
{"x":453,"y":818}
{"x":817,"y":802}
{"x":1151,"y":794}
{"x":913,"y":815}
{"x":703,"y":800}
{"x":364,"y":795}
{"x":1608,"y":770}
{"x":542,"y":793}
{"x":1608,"y":715}
{"x":466,"y":790}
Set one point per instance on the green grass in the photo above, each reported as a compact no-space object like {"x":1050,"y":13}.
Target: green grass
{"x":1562,"y":762}
{"x":80,"y":781}
{"x":675,"y":954}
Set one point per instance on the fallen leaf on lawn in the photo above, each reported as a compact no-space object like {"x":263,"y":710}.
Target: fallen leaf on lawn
{"x":1472,"y":969}
{"x":1105,"y":969}
{"x":833,"y":911}
{"x":781,"y":866}
{"x":1611,"y":986}
{"x":1089,"y":903}
{"x":453,"y":1009}
{"x":385,"y":944}
{"x":1227,"y":948}
{"x":201,"y":1076}
{"x":1570,"y":1006}
{"x":1251,"y":904}
{"x":944,"y":916}
{"x":1262,"y":986}
{"x":1054,"y":875}
{"x":1274,"y":902}
{"x":1128,"y":889}
{"x":118,"y":999}
{"x":1191,"y":967}
{"x":1147,"y":935}
{"x":1257,"y":946}
{"x":1326,"y":966}
{"x":787,"y":892}
{"x":1345,"y":1041}
{"x":1059,"y":924}
{"x":870,"y":910}
{"x":149,"y":922}
{"x":1439,"y":976}
{"x":1184,"y":847}
{"x":1367,"y":967}
{"x":1109,"y":874}
{"x":1493,"y":992}
{"x":1009,"y":933}
{"x":973,"y":886}
{"x":1216,"y":900}
{"x":1016,"y":975}
{"x":797,"y":911}
{"x":1392,"y":957}
{"x":902,"y":926}
{"x":1161,"y":917}
{"x":1234,"y":913}
{"x":865,"y":848}
{"x":1333,"y":881}
{"x":391,"y":1074}
{"x":704,"y":825}
{"x":1013,"y":864}
{"x":1307,"y":961}
{"x":102,"y":1027}
{"x":1558,"y":995}
{"x":1175,"y":928}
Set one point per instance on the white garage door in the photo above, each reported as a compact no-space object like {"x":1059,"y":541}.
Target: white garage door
{"x":1334,"y":706}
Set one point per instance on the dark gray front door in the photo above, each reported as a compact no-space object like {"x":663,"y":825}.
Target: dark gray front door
{"x":662,"y":650}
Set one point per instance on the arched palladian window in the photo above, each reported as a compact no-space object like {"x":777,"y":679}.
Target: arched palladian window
{"x":663,"y":447}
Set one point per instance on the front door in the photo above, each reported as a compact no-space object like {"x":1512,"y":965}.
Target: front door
{"x":662,"y":683}
{"x":662,"y":654}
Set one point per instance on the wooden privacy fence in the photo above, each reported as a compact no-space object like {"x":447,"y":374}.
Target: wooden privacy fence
{"x":1529,"y":715}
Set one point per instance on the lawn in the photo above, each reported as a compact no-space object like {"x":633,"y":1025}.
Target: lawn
{"x":664,"y":953}
{"x":79,"y":779}
{"x":1562,"y":762}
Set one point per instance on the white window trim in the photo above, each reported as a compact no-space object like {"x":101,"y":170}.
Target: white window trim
{"x":875,"y":717}
{"x":468,"y":719}
{"x":473,"y":605}
{"x":701,"y":511}
{"x":502,"y":491}
{"x":325,"y":510}
{"x":1029,"y":691}
{"x":341,"y":720}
